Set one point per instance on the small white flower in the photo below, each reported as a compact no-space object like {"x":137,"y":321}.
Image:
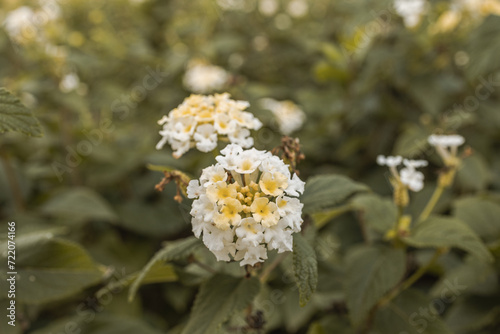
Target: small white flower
{"x":268,"y":7}
{"x":250,"y":232}
{"x":412,"y":178}
{"x":69,"y":83}
{"x":446,"y":141}
{"x":390,"y":161}
{"x":408,"y":175}
{"x":194,"y":189}
{"x":19,"y":22}
{"x":447,"y":146}
{"x":288,"y":115}
{"x":279,"y":237}
{"x":241,"y":209}
{"x":201,"y":78}
{"x":410,"y":10}
{"x":205,"y":137}
{"x":297,"y":8}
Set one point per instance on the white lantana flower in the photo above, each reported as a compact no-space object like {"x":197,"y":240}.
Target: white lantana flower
{"x":204,"y":78}
{"x":19,"y":23}
{"x":447,"y":146}
{"x":410,"y":10}
{"x":201,"y":120}
{"x":289,"y":116}
{"x":244,"y":205}
{"x":69,"y":82}
{"x":408,"y":176}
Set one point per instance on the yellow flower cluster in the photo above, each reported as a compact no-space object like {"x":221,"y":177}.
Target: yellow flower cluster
{"x":201,"y":119}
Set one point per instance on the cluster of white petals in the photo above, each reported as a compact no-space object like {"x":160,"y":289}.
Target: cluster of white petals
{"x":408,"y":175}
{"x":446,"y":141}
{"x":288,"y":115}
{"x":446,"y":145}
{"x":25,"y":23}
{"x":200,"y":120}
{"x":245,"y":205}
{"x":203,"y":78}
{"x":410,"y":10}
{"x":69,"y":82}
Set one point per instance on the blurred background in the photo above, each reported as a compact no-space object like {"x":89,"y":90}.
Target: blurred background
{"x":366,"y":77}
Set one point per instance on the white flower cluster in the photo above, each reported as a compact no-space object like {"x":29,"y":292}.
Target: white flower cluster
{"x":446,"y":146}
{"x":289,"y":116}
{"x":243,"y":205}
{"x":202,"y":78}
{"x":25,"y":23}
{"x":294,"y":8}
{"x":200,"y":120}
{"x":410,"y":10}
{"x":409,"y":176}
{"x":69,"y":82}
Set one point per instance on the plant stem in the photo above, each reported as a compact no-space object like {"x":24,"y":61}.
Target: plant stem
{"x":432,"y":203}
{"x":269,"y":269}
{"x":13,"y":182}
{"x":398,"y":218}
{"x":204,"y":266}
{"x":412,"y":279}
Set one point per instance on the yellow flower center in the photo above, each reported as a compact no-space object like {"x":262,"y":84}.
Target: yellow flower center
{"x":273,"y":186}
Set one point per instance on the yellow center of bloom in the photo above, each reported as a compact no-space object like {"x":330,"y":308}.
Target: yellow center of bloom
{"x":221,"y":190}
{"x":264,"y":212}
{"x":229,"y":213}
{"x":281,"y":203}
{"x":249,"y":227}
{"x":273,"y":185}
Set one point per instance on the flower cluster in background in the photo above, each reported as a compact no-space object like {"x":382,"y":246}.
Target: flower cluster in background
{"x":447,"y":147}
{"x":24,"y":23}
{"x":408,"y":175}
{"x":288,"y":115}
{"x":410,"y":10}
{"x":200,"y":120}
{"x":203,"y":78}
{"x":245,"y":205}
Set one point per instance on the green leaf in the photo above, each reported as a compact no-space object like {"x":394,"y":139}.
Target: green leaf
{"x":55,"y":269}
{"x":371,"y":272}
{"x":472,"y":277}
{"x":439,"y":231}
{"x":79,"y":203}
{"x":325,"y":191}
{"x":14,"y":116}
{"x":172,"y":251}
{"x":412,"y":141}
{"x":480,"y":214}
{"x":322,"y":218}
{"x":474,"y":173}
{"x":107,"y":324}
{"x":378,"y":213}
{"x":330,"y":324}
{"x":305,"y":268}
{"x":411,"y":313}
{"x":219,"y":298}
{"x":470,"y":314}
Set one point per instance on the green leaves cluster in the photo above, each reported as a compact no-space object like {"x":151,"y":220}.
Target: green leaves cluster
{"x":14,"y":116}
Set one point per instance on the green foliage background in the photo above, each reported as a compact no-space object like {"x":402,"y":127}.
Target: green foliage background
{"x":89,"y":220}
